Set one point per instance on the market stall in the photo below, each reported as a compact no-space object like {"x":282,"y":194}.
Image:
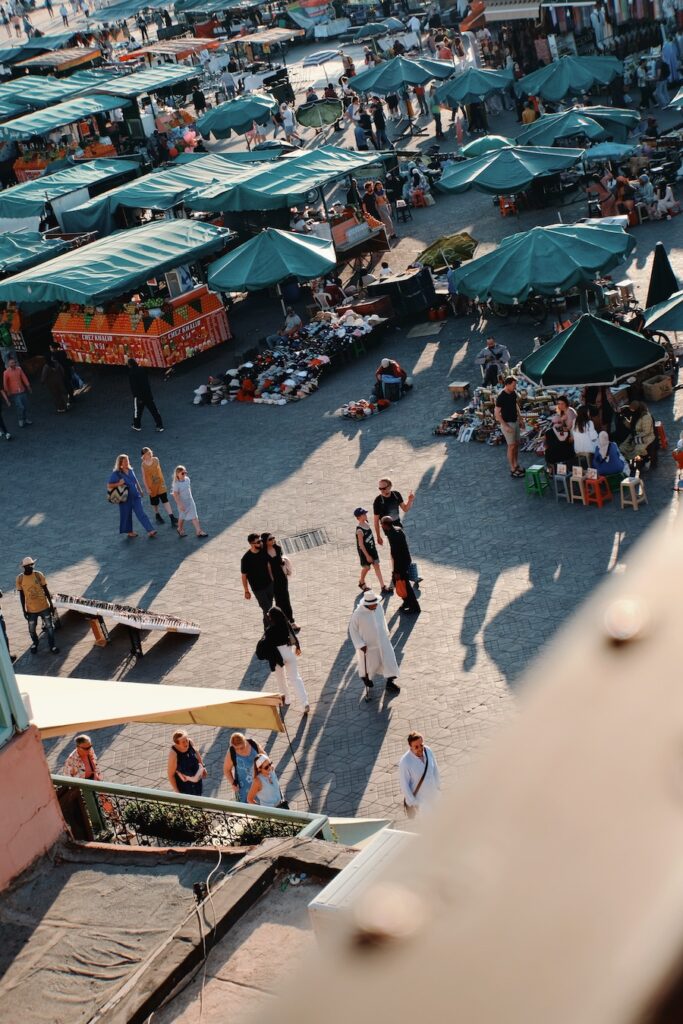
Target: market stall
{"x":164,"y":315}
{"x":166,"y":79}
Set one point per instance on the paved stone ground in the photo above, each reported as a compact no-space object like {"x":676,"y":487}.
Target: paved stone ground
{"x":501,"y":571}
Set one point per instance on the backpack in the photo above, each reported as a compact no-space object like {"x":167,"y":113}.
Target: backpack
{"x":233,"y":756}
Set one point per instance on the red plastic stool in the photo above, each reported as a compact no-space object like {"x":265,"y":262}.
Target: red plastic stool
{"x":508,"y":206}
{"x":661,"y":434}
{"x":597,"y":491}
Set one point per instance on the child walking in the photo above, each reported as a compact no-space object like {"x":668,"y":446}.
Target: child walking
{"x":186,"y":507}
{"x":367,"y":551}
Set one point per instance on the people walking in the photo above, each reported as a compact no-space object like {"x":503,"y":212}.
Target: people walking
{"x":284,"y":649}
{"x":49,"y":8}
{"x":239,"y":764}
{"x":265,"y":789}
{"x":52,"y":376}
{"x":280,"y":571}
{"x":256,"y":575}
{"x":4,"y":432}
{"x":418,"y":775}
{"x":125,"y":491}
{"x":3,"y":630}
{"x":185,"y":770}
{"x":384,"y":209}
{"x":187,"y":510}
{"x":367,"y":552}
{"x":370,"y":637}
{"x":142,"y":395}
{"x":389,"y":503}
{"x":17,"y":387}
{"x":60,"y":357}
{"x":142,"y":25}
{"x":509,"y":419}
{"x":36,"y":601}
{"x":401,"y":561}
{"x":155,"y":485}
{"x":65,"y":15}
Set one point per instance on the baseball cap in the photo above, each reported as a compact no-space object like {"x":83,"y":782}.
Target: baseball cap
{"x":359,"y":511}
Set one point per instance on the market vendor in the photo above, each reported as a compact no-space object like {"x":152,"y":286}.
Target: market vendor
{"x":640,"y":444}
{"x":559,"y":446}
{"x":299,"y":223}
{"x":494,"y":360}
{"x":292,"y":325}
{"x":388,"y":373}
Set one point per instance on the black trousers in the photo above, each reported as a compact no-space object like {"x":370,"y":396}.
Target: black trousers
{"x":265,"y":600}
{"x":282,"y":599}
{"x":410,"y":602}
{"x":139,"y":406}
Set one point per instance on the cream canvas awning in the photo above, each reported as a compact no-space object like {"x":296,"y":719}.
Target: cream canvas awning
{"x":61,"y":706}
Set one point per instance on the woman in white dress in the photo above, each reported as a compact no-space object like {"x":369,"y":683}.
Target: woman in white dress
{"x":187,"y":510}
{"x":584,"y":434}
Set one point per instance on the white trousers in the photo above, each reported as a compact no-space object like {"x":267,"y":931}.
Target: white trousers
{"x":288,"y":678}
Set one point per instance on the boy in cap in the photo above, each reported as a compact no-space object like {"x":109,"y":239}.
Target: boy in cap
{"x":367,"y":552}
{"x":36,"y":600}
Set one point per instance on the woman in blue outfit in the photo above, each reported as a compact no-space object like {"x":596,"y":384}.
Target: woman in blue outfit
{"x":186,"y":770}
{"x":123,"y":476}
{"x":607,"y":458}
{"x":239,"y":764}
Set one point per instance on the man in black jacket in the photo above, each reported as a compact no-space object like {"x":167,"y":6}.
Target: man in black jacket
{"x":400,"y":555}
{"x":142,"y":395}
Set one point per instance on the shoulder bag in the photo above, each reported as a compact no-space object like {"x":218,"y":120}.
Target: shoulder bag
{"x":411,"y":810}
{"x":119,"y":494}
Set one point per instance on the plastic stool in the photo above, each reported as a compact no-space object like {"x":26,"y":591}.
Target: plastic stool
{"x":633,"y":493}
{"x":561,"y":488}
{"x":597,"y":491}
{"x":580,"y":494}
{"x":536,"y":480}
{"x":403,"y":211}
{"x":507,"y":206}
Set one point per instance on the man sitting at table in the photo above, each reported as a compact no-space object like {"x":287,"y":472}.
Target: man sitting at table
{"x":494,"y":360}
{"x":292,"y":325}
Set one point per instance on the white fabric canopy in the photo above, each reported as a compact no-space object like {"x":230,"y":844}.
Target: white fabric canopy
{"x":61,"y":706}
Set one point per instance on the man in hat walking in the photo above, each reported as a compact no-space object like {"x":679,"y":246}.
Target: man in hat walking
{"x":370,"y":636}
{"x":36,"y":600}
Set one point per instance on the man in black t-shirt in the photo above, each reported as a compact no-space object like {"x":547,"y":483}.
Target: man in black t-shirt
{"x":389,"y":503}
{"x":257,"y":575}
{"x":510,"y":421}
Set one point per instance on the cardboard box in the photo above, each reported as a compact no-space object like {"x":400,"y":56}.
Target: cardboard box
{"x":657,"y":388}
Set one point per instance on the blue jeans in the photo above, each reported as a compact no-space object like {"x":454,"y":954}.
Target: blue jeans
{"x":21,"y":405}
{"x":134,"y":504}
{"x":46,"y":616}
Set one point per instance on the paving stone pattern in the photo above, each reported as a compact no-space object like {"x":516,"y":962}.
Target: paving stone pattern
{"x":502,"y":571}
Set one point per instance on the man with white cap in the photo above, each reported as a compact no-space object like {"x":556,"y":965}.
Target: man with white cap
{"x":370,"y":636}
{"x":36,"y":600}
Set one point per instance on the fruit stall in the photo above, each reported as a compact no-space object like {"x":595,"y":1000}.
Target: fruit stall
{"x":157,"y":332}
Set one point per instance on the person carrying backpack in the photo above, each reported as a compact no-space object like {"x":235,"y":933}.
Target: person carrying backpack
{"x":239,"y":764}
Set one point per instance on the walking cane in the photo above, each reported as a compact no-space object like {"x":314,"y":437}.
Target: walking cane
{"x":366,"y":679}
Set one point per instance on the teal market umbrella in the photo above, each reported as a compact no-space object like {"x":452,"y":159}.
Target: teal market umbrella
{"x":550,"y":128}
{"x":617,"y":121}
{"x":569,"y":76}
{"x":472,"y":86}
{"x":544,"y":260}
{"x":667,"y":315}
{"x":394,"y":25}
{"x":399,"y":72}
{"x":507,"y":170}
{"x":486,"y":144}
{"x":372,"y":30}
{"x":608,"y":151}
{"x":591,"y":351}
{"x":236,"y":116}
{"x":271,"y":257}
{"x":320,"y":113}
{"x":663,"y":283}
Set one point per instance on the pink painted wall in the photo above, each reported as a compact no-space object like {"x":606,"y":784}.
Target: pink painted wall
{"x":31,"y":819}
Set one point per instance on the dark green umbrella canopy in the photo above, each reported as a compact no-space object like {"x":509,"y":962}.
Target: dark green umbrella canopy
{"x":618,"y":121}
{"x":401,"y":71}
{"x":507,"y":170}
{"x":591,"y":351}
{"x":667,"y":315}
{"x":270,"y":257}
{"x":569,"y":124}
{"x":569,"y":76}
{"x":372,"y":30}
{"x":473,"y":85}
{"x":486,"y":144}
{"x":663,"y":281}
{"x":236,"y":115}
{"x":319,"y":113}
{"x":545,"y":260}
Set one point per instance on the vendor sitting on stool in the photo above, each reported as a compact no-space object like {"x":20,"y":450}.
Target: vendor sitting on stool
{"x":559,"y":446}
{"x":389,"y":373}
{"x":494,"y":361}
{"x":291,"y":328}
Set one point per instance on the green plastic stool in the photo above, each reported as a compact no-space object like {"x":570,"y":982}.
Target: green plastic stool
{"x":536,"y":480}
{"x":359,"y":348}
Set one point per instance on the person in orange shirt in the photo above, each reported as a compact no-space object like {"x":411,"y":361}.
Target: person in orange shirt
{"x":16,"y":385}
{"x":155,"y":485}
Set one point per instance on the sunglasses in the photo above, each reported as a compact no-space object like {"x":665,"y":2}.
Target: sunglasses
{"x":83,"y":746}
{"x":266,"y":767}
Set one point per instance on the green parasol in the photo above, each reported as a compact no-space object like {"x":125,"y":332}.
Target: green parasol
{"x":546,"y":260}
{"x":667,"y":315}
{"x":550,"y":128}
{"x":320,"y":113}
{"x":591,"y":351}
{"x":617,"y":121}
{"x":569,"y":76}
{"x":236,"y":115}
{"x":446,"y":251}
{"x":486,"y":144}
{"x":507,"y":170}
{"x":372,"y":30}
{"x":473,"y":85}
{"x":399,"y":72}
{"x":271,"y":257}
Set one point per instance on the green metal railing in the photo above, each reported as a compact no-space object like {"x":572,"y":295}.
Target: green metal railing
{"x":153,"y":817}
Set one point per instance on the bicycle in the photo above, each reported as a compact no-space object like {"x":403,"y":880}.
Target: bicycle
{"x":535,"y":307}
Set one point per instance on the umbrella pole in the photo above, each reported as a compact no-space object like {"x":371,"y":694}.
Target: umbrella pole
{"x":279,"y":295}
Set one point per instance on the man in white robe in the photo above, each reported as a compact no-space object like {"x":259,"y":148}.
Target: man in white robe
{"x":370,"y":636}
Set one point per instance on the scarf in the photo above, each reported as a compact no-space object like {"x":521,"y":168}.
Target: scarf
{"x":603,"y":443}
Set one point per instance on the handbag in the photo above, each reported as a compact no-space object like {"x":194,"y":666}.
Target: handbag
{"x":401,"y":588}
{"x":287,"y":566}
{"x":410,"y":810}
{"x":413,"y":572}
{"x":119,"y":494}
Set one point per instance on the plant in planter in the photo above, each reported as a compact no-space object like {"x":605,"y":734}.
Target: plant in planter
{"x":166,"y":821}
